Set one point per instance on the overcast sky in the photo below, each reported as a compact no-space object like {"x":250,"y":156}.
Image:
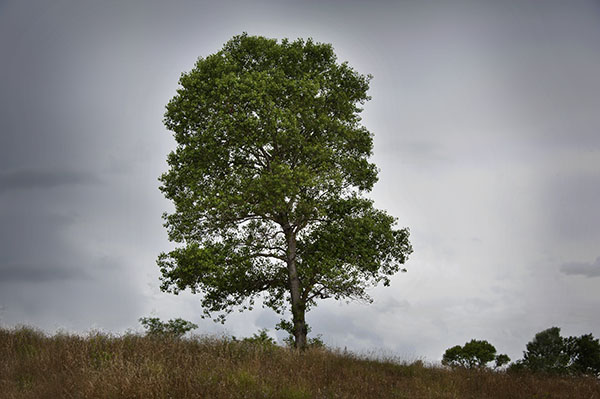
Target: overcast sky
{"x":486,"y":121}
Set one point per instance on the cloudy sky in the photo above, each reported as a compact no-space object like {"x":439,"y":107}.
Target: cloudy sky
{"x":486,"y":123}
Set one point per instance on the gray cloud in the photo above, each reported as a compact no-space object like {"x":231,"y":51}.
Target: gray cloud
{"x":484,"y":121}
{"x":572,"y":205}
{"x":27,"y":273}
{"x":591,"y":269}
{"x":23,"y":179}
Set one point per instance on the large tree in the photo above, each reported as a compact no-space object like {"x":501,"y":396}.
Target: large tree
{"x":268,"y":181}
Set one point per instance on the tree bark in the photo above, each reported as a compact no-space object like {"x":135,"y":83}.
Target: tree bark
{"x":298,"y":305}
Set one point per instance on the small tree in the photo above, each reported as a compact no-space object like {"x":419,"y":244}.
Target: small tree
{"x":174,"y":328}
{"x":474,"y":354}
{"x":268,"y":179}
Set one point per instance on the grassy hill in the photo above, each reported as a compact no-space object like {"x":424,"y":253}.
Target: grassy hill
{"x":33,"y":365}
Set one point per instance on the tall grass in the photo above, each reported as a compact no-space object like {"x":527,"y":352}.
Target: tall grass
{"x":33,"y":365}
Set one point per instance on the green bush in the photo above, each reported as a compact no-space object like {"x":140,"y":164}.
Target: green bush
{"x":474,"y":354}
{"x":260,"y":338}
{"x":174,"y":328}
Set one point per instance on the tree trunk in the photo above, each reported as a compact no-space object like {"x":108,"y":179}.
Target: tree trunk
{"x":298,"y":305}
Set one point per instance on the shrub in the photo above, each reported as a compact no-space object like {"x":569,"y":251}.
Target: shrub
{"x":174,"y":328}
{"x":261,"y":338}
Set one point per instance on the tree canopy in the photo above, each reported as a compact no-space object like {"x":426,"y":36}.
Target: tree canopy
{"x":174,"y":328}
{"x":474,"y":354}
{"x":584,"y":354}
{"x":547,"y":352}
{"x":551,"y":353}
{"x":268,"y":181}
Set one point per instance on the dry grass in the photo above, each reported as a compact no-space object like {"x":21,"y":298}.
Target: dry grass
{"x":33,"y":365}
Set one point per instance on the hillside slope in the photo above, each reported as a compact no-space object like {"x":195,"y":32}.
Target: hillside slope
{"x":33,"y":365}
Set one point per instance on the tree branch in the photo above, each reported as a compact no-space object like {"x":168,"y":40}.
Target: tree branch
{"x":318,"y":294}
{"x":267,"y":255}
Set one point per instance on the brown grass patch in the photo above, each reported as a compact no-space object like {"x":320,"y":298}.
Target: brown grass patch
{"x":33,"y":365}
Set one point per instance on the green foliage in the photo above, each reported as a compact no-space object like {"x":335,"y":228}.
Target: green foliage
{"x":547,"y":352}
{"x":174,"y":328}
{"x":474,"y":354}
{"x":551,"y":353}
{"x":454,"y":357}
{"x":268,"y":178}
{"x":313,"y":342}
{"x":501,"y":361}
{"x":316,"y":342}
{"x":584,"y":353}
{"x":261,"y":338}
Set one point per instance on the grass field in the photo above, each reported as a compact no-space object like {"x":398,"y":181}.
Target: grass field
{"x":33,"y":365}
